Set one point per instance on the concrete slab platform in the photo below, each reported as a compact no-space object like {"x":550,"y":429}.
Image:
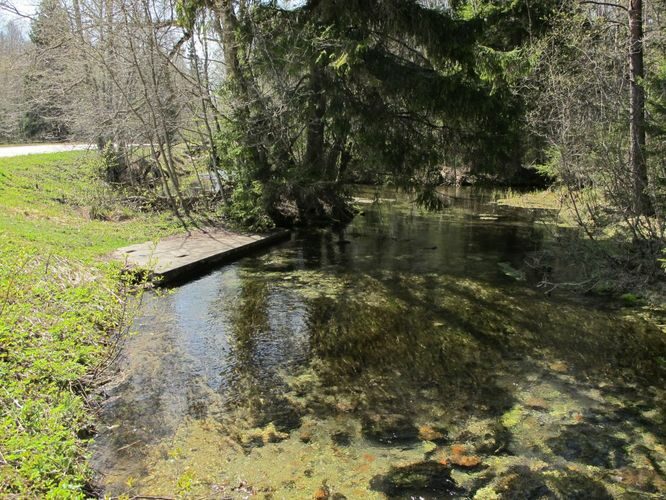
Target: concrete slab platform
{"x":178,"y":256}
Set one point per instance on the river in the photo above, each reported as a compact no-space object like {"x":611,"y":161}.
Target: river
{"x":410,"y":355}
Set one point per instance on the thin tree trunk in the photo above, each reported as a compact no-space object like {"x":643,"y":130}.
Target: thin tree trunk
{"x":227,"y":27}
{"x":314,"y":149}
{"x":202,"y":83}
{"x":637,"y":163}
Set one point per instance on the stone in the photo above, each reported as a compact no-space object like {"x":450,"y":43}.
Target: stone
{"x":427,"y":480}
{"x":263,"y":435}
{"x":429,"y":433}
{"x":466,"y":461}
{"x":390,"y":429}
{"x":522,"y":482}
{"x":591,"y":445}
{"x":322,"y":493}
{"x":341,"y":438}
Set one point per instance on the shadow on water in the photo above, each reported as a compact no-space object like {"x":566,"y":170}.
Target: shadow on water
{"x":406,"y":356}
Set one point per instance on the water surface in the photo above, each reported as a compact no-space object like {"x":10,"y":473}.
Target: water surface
{"x":410,"y":355}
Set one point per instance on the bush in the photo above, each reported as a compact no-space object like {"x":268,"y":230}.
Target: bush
{"x":246,"y":207}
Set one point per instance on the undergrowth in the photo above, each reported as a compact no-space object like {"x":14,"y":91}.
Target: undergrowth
{"x":601,"y":255}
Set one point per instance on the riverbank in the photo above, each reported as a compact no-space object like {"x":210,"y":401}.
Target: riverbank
{"x":62,"y":305}
{"x":608,"y":256}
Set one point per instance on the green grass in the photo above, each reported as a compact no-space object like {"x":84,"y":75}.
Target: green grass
{"x":544,"y":199}
{"x":47,"y":200}
{"x":61,"y":305}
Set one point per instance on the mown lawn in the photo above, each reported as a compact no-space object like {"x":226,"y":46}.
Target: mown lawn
{"x":62,"y":304}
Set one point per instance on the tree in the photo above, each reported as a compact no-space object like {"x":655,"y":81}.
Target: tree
{"x":45,"y":117}
{"x":637,"y":159}
{"x":321,"y":96}
{"x":14,"y":48}
{"x":117,"y":73}
{"x":588,"y":89}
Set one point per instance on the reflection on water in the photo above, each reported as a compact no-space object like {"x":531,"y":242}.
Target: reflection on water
{"x":408,"y":356}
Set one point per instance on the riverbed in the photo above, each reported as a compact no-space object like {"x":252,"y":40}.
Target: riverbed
{"x":411,"y":354}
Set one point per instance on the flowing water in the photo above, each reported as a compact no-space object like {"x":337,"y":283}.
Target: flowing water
{"x":410,"y":355}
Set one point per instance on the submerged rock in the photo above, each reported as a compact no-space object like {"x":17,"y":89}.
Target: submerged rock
{"x":430,"y":433}
{"x":341,"y":438}
{"x":576,"y":486}
{"x":279,"y":267}
{"x":642,"y":479}
{"x":390,"y":429}
{"x":483,"y":436}
{"x":322,"y":493}
{"x":466,"y":461}
{"x":461,"y":458}
{"x":457,"y":455}
{"x":511,"y":271}
{"x":307,"y":430}
{"x":590,"y":445}
{"x":425,"y":480}
{"x":523,"y":483}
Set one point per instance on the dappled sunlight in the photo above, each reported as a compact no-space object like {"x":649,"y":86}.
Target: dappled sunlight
{"x":396,"y":358}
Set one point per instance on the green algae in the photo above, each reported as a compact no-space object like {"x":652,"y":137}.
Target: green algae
{"x":511,"y":271}
{"x":512,"y":417}
{"x":263,"y":435}
{"x":360,"y":372}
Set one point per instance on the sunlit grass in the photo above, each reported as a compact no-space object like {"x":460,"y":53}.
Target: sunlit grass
{"x":61,"y":307}
{"x":50,"y":201}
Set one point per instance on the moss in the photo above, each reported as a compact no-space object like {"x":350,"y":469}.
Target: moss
{"x":428,"y":447}
{"x":487,"y":493}
{"x":263,"y":435}
{"x":631,"y":300}
{"x":513,"y":417}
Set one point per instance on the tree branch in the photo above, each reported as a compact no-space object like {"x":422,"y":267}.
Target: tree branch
{"x":604,"y":4}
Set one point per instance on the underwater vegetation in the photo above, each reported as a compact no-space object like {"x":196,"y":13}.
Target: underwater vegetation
{"x":381,"y":368}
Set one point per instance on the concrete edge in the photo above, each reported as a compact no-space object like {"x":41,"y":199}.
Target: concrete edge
{"x":227,"y":256}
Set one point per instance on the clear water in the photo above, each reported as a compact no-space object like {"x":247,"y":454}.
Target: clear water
{"x":410,"y":355}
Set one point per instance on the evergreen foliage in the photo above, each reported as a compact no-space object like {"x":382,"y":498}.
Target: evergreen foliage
{"x":385,"y":91}
{"x":45,"y":118}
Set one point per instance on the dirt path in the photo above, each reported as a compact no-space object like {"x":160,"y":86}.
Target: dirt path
{"x":35,"y":149}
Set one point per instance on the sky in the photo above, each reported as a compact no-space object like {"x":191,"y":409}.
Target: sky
{"x":26,"y":7}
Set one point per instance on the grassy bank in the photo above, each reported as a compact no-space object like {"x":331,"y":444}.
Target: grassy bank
{"x":61,"y":304}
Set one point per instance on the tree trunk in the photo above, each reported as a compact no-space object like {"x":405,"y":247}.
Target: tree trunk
{"x":227,"y":27}
{"x":637,"y":163}
{"x":204,"y":86}
{"x":314,"y":149}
